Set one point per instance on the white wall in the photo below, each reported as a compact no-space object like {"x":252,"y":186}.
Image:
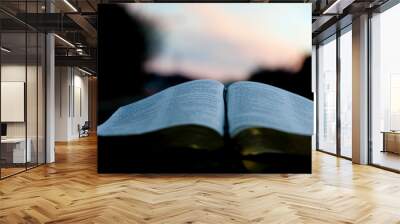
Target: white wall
{"x":62,"y":81}
{"x":80,"y":103}
{"x":71,"y":94}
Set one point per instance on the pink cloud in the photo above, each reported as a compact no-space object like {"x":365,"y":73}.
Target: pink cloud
{"x":250,"y":40}
{"x":241,"y":47}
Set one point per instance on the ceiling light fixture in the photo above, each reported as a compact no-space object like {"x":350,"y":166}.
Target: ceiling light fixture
{"x":5,"y":50}
{"x":337,"y":7}
{"x":64,"y":40}
{"x":79,"y":51}
{"x":84,"y":71}
{"x":326,"y":11}
{"x":70,"y":5}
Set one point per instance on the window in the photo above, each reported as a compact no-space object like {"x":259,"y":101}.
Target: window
{"x":346,"y":93}
{"x":385,"y":89}
{"x":327,"y":96}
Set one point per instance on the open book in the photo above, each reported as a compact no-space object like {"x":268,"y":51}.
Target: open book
{"x":251,"y":119}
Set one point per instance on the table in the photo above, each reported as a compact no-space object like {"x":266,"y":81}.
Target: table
{"x":391,"y":141}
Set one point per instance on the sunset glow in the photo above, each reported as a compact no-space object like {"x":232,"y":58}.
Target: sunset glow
{"x":227,"y":41}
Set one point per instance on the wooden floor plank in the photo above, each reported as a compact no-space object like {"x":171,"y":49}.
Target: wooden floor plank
{"x":71,"y":191}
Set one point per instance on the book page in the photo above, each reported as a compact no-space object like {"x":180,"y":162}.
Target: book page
{"x":251,"y":104}
{"x":197,"y":102}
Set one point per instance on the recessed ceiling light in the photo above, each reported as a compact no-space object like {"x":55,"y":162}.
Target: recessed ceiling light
{"x":70,"y":5}
{"x":64,"y":40}
{"x":5,"y":50}
{"x":84,"y":71}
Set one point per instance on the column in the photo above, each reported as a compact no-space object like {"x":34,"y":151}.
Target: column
{"x":360,"y":90}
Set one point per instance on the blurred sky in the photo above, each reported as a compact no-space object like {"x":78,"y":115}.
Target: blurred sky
{"x":227,"y":41}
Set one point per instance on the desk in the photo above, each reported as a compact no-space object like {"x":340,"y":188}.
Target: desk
{"x":391,"y":141}
{"x":13,"y":150}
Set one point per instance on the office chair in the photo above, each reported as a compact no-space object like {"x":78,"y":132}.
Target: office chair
{"x":84,"y":130}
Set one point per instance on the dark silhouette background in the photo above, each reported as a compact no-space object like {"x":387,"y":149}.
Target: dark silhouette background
{"x":123,"y":47}
{"x":299,"y":83}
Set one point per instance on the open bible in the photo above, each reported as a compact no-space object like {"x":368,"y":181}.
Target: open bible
{"x":205,"y":126}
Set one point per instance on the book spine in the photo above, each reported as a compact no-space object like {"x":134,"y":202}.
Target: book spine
{"x":226,"y":124}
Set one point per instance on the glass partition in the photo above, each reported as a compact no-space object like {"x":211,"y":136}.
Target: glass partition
{"x":15,"y":150}
{"x":23,"y":91}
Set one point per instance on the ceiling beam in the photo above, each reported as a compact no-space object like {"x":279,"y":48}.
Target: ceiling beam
{"x":82,"y":61}
{"x":84,"y":24}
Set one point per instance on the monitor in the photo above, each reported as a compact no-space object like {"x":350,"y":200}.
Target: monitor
{"x":3,"y":129}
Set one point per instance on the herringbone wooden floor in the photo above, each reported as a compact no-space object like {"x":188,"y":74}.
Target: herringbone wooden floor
{"x":70,"y":191}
